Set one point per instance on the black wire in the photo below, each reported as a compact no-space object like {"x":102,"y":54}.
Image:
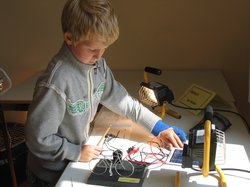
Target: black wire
{"x":235,"y":169}
{"x":225,"y":169}
{"x":218,"y":110}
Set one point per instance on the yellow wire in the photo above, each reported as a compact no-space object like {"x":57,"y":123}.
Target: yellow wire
{"x":222,"y":177}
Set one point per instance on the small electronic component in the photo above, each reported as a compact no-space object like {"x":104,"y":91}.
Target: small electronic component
{"x":117,"y":156}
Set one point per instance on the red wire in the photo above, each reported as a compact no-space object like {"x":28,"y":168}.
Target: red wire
{"x":153,"y":153}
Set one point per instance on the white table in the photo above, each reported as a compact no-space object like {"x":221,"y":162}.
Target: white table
{"x":237,"y":155}
{"x":237,"y":138}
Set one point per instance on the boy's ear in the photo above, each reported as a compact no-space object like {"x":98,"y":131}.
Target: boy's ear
{"x":68,"y":38}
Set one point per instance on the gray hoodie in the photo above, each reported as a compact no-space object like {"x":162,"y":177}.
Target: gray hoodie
{"x":65,"y":101}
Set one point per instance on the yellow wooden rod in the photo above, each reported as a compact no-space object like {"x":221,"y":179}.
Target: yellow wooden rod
{"x":103,"y":136}
{"x":177,"y":179}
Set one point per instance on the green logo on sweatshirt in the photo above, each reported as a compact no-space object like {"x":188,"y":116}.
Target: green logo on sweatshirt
{"x":99,"y":90}
{"x":77,"y":107}
{"x":81,"y":106}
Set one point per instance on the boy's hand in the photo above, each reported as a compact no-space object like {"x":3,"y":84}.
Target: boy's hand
{"x":170,"y":138}
{"x":89,"y":152}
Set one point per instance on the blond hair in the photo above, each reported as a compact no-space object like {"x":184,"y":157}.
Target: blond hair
{"x":90,"y":19}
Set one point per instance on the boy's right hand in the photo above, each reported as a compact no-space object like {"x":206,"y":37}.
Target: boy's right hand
{"x":89,"y":152}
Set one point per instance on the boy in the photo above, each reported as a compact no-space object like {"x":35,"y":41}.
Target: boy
{"x":68,"y":93}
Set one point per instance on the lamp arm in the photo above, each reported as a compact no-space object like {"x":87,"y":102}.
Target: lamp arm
{"x":206,"y":154}
{"x":165,"y":110}
{"x":145,"y":75}
{"x":173,"y":114}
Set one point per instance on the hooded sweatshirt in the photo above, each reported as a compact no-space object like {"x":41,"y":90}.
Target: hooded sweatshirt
{"x":65,"y":101}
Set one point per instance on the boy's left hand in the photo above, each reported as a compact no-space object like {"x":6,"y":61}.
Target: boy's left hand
{"x":171,"y":136}
{"x":170,"y":139}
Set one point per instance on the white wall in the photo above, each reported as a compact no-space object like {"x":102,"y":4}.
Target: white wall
{"x":166,"y":34}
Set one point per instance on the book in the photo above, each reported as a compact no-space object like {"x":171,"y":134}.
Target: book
{"x":197,"y":96}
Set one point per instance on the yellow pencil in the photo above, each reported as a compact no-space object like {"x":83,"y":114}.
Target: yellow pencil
{"x":103,"y":136}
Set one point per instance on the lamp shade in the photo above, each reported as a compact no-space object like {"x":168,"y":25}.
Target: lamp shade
{"x":155,"y":94}
{"x":5,"y":82}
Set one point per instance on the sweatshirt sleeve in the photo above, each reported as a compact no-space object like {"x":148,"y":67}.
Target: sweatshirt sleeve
{"x":43,"y":123}
{"x":117,"y":99}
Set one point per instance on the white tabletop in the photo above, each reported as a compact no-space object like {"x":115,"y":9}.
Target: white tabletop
{"x":237,"y":154}
{"x":20,"y":93}
{"x":237,"y":138}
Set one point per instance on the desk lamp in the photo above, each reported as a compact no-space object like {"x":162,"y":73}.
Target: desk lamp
{"x":5,"y":82}
{"x":156,"y":94}
{"x":5,"y":85}
{"x":206,"y":146}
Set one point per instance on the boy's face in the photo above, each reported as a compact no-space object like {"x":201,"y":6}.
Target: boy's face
{"x":87,"y":52}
